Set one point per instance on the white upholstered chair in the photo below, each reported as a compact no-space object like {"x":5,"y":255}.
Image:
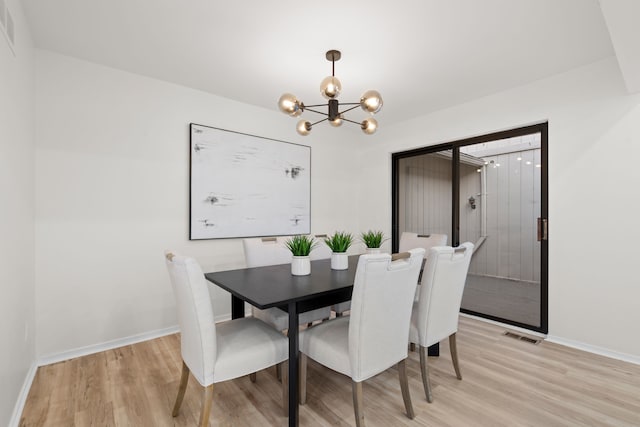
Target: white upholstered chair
{"x":260,"y":252}
{"x":435,"y":314}
{"x":374,"y":337}
{"x":214,"y":353}
{"x":426,"y":241}
{"x":410,"y":240}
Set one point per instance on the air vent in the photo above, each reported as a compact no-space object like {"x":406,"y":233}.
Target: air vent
{"x":522,"y":337}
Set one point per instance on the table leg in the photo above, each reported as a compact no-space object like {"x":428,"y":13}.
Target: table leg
{"x":293,"y":364}
{"x":237,"y":307}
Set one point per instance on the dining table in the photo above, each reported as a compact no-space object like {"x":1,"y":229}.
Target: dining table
{"x":275,"y":286}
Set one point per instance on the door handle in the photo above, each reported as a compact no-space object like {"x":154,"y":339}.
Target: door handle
{"x":543,"y":229}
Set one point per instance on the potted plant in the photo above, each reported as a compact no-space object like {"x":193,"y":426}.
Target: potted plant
{"x":339,"y":243}
{"x":373,"y":239}
{"x":301,"y":246}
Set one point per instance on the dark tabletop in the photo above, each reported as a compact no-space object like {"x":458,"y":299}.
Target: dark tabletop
{"x":275,"y":286}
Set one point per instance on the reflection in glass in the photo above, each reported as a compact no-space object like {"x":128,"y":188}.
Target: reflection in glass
{"x":424,"y":193}
{"x":503,"y":179}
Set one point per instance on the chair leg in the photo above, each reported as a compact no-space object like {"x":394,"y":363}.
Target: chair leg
{"x":454,"y":354}
{"x":412,"y":346}
{"x":424,"y":368}
{"x":184,"y":379}
{"x":207,"y":401}
{"x":303,"y":378}
{"x":404,"y":386}
{"x":252,"y":377}
{"x":284,"y":368}
{"x":357,"y":403}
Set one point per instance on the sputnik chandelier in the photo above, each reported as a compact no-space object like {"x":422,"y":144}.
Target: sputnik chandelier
{"x":330,"y":88}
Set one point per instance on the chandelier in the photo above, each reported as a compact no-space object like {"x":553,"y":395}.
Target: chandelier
{"x":330,"y":88}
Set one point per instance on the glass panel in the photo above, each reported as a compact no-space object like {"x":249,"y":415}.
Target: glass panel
{"x":499,"y":205}
{"x":424,"y":194}
{"x":471,"y":207}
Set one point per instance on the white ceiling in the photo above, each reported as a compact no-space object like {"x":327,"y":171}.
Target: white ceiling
{"x":422,"y":55}
{"x":622,"y":20}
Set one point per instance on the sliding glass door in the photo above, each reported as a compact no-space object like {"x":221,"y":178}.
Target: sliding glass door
{"x":490,"y":191}
{"x":499,"y":209}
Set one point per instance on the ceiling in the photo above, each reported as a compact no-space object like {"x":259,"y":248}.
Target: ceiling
{"x":422,"y":55}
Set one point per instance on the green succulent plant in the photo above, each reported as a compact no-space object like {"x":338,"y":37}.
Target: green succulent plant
{"x":373,"y":238}
{"x":301,"y":245}
{"x":340,"y":241}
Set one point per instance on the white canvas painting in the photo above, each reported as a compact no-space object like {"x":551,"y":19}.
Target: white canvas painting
{"x":247,"y":186}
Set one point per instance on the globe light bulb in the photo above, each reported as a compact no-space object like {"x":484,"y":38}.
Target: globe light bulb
{"x":369,"y":125}
{"x":290,"y":105}
{"x":337,"y":122}
{"x":371,"y":101}
{"x":330,"y":87}
{"x":303,"y":127}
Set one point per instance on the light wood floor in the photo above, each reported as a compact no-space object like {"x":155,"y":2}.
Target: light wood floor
{"x":506,"y":382}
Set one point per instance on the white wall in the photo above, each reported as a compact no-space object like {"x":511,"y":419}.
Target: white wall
{"x":112,"y":193}
{"x":594,"y":146}
{"x":112,"y":182}
{"x":16,"y":215}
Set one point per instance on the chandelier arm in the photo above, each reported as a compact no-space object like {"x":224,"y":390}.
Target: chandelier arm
{"x":349,"y":103}
{"x":349,"y":109}
{"x":319,"y":121}
{"x":351,"y":121}
{"x":317,"y":112}
{"x":316,"y":105}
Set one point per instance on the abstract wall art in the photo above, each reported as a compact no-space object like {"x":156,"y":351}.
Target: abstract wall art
{"x":247,"y":186}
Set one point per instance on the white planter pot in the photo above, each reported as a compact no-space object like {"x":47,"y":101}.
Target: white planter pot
{"x":373,"y":250}
{"x":301,"y":266}
{"x":339,"y":261}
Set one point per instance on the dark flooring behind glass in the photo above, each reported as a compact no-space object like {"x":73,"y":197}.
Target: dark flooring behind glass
{"x":508,"y":299}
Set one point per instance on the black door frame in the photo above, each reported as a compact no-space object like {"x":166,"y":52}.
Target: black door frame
{"x":543,"y":129}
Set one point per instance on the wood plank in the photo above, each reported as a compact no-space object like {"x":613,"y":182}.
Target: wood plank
{"x":506,"y":383}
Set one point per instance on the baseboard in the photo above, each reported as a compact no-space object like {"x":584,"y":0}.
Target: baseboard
{"x":108,"y":345}
{"x":565,"y":342}
{"x":594,"y":349}
{"x":22,"y":397}
{"x":120,"y":342}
